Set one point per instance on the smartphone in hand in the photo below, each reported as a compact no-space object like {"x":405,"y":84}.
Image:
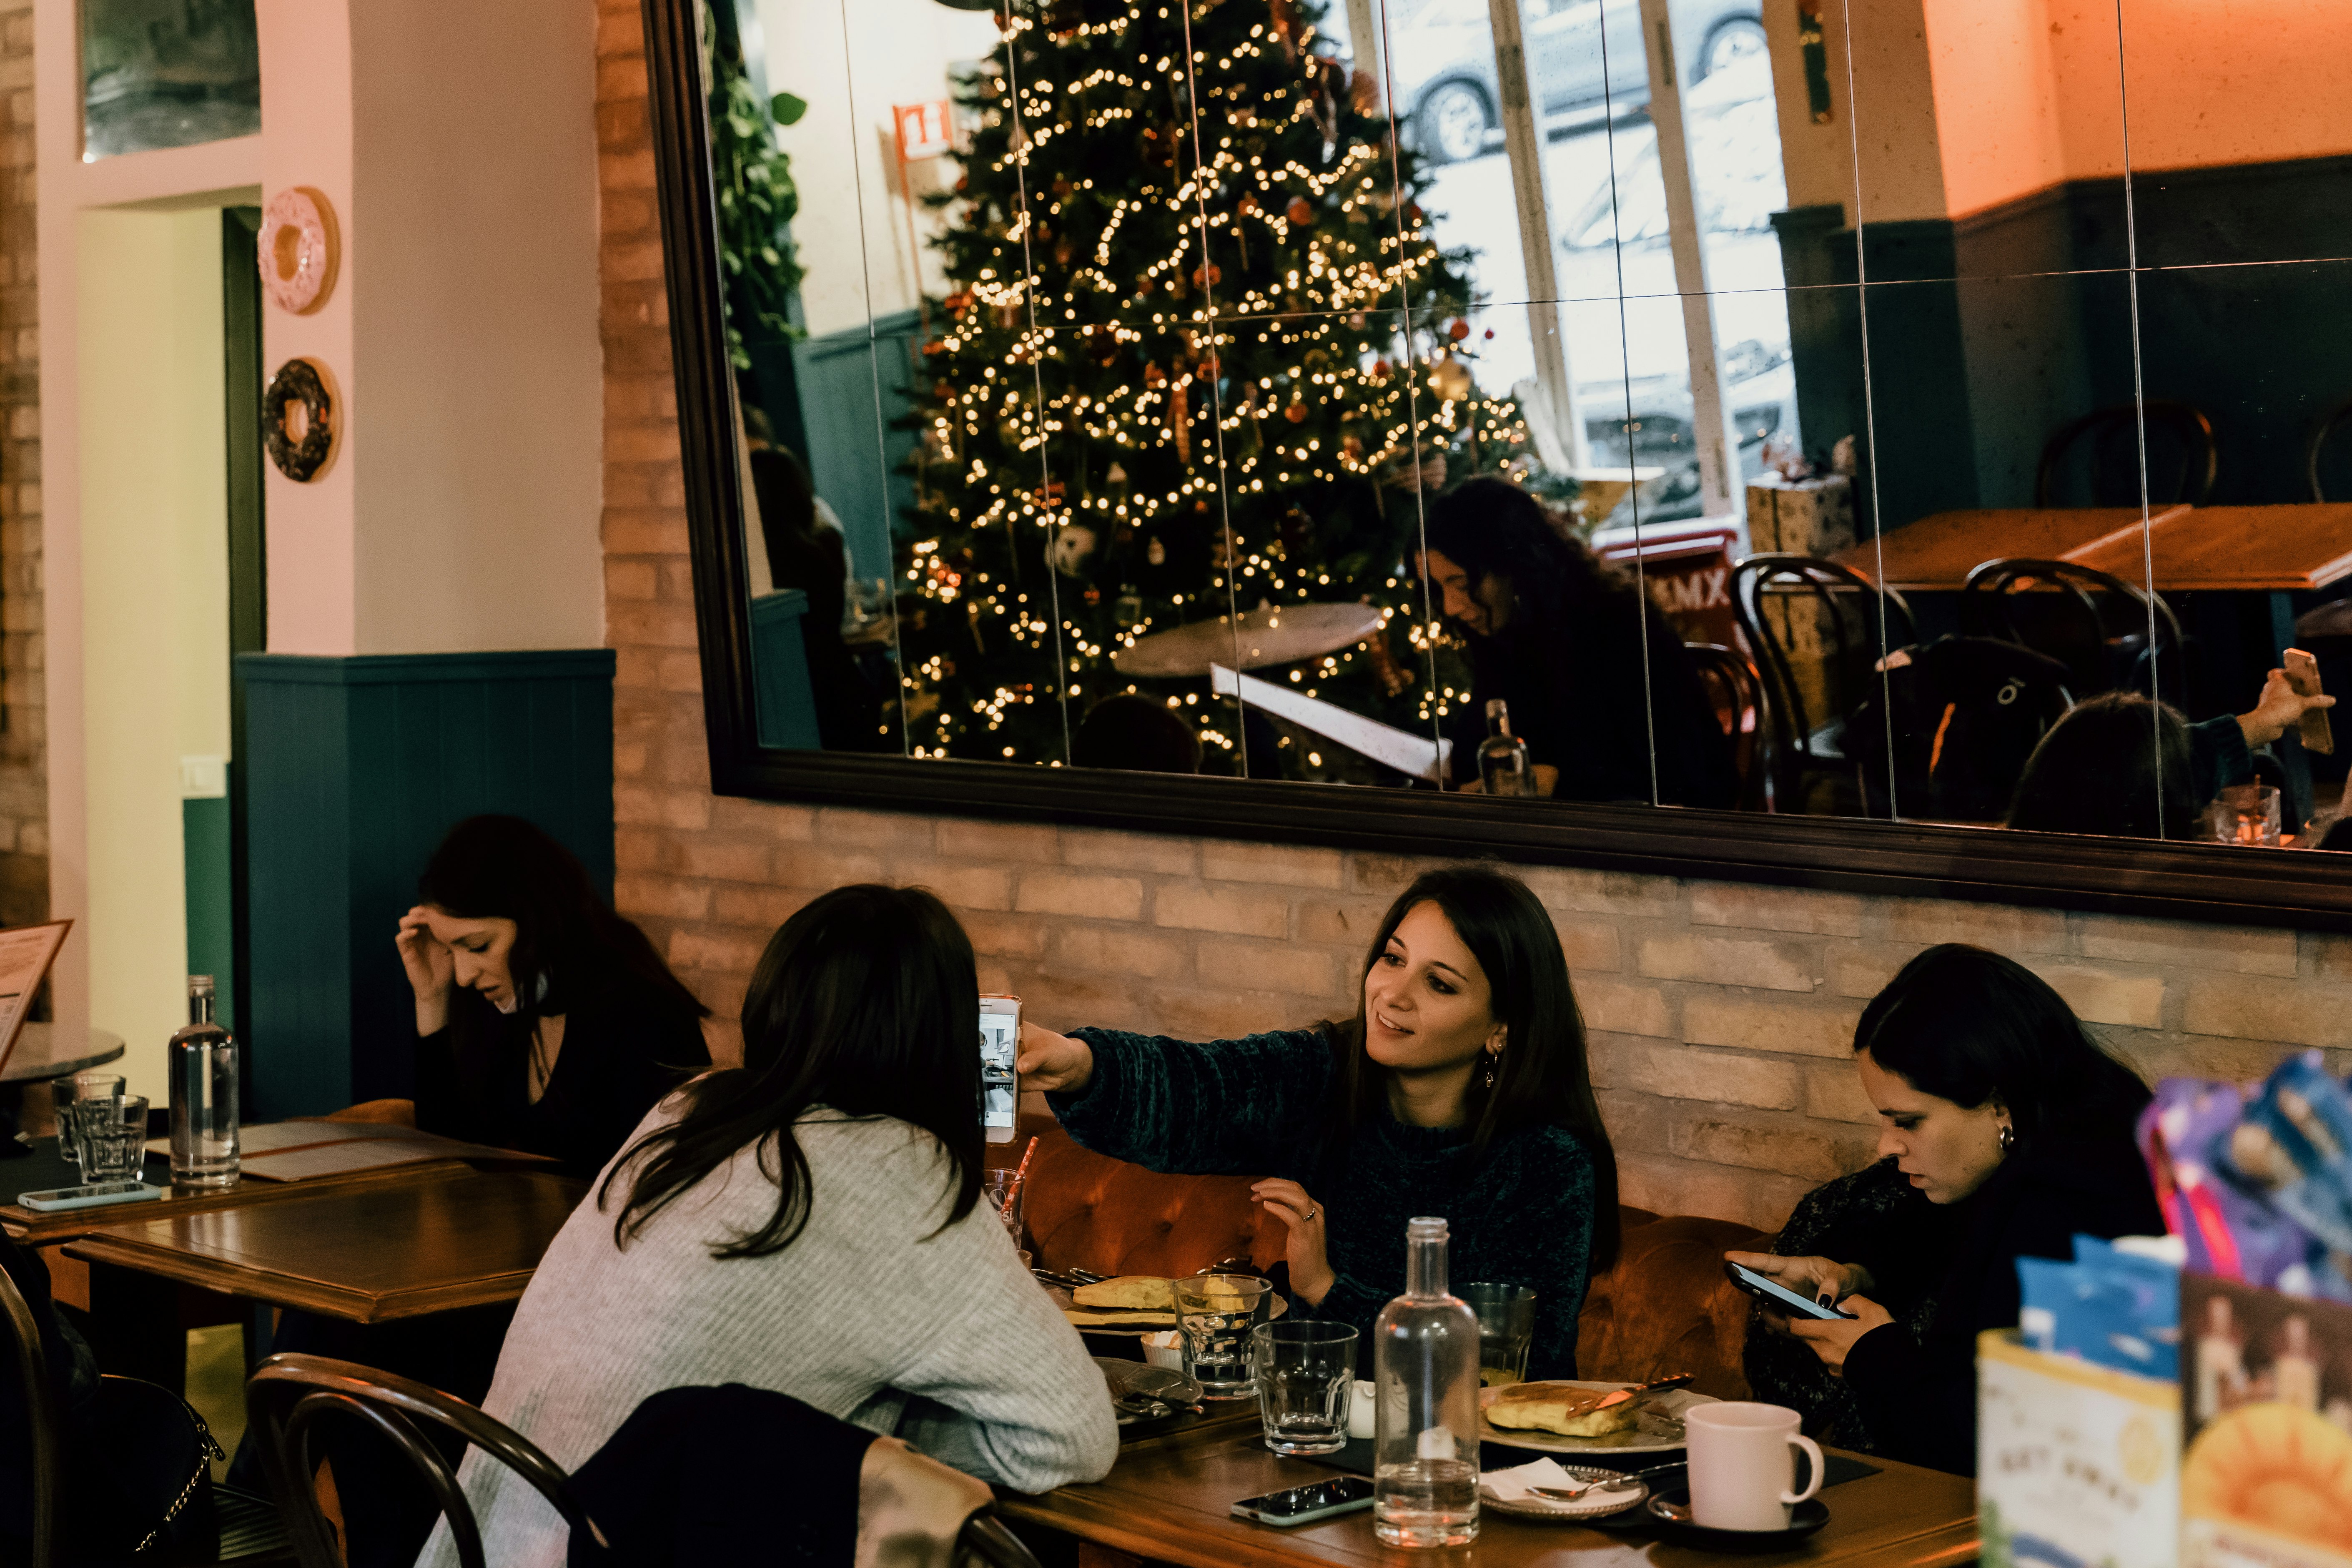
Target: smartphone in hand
{"x":2302,"y":674}
{"x":1779,"y":1295}
{"x":1000,"y":1048}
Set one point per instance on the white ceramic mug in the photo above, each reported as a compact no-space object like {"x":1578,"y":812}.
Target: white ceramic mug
{"x":1742,"y":1462}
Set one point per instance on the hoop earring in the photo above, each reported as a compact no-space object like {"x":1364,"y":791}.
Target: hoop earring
{"x":2008,"y":1139}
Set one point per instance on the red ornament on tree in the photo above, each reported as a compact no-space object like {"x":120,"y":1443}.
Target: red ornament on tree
{"x":1459,"y":329}
{"x":1302,"y":211}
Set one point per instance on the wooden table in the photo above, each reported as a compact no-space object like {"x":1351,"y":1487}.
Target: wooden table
{"x":2237,"y":548}
{"x":1936,"y":553}
{"x":44,"y":1051}
{"x":1167,"y":1500}
{"x":417,"y":1240}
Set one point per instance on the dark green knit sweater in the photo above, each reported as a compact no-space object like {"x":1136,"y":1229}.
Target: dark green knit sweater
{"x":1258,"y":1106}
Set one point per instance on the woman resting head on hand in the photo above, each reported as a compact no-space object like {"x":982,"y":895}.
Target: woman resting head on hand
{"x":2005,"y":1115}
{"x":1460,"y":1089}
{"x":809,"y":1223}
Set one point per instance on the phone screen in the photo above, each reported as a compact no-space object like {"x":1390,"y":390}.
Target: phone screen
{"x":999,"y":1042}
{"x":1316,"y":1499}
{"x":1776,"y":1292}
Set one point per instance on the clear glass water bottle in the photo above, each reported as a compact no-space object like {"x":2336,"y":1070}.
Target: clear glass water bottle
{"x":1425,"y":1404}
{"x":204,"y":1096}
{"x":1503,"y":756}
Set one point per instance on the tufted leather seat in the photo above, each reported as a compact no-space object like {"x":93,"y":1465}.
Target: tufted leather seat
{"x":1664,"y":1308}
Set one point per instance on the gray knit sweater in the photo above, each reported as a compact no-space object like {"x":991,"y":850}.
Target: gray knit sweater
{"x":943,"y":1339}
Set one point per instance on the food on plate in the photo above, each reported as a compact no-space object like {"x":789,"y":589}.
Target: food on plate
{"x":1564,"y":1408}
{"x":1127,"y":1293}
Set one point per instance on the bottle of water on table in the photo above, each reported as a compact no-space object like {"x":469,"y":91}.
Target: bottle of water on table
{"x":203,"y":1065}
{"x":1425,"y":1403}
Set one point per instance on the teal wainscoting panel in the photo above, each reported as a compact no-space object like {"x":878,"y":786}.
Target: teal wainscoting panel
{"x":847,"y":379}
{"x":212,"y":909}
{"x":357,"y":767}
{"x":780,"y":672}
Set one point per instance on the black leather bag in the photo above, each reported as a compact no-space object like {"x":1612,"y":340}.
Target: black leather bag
{"x":141,"y":1483}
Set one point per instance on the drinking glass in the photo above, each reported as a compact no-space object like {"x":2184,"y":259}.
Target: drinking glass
{"x":64,"y":1092}
{"x":993,"y":1186}
{"x":114,"y":1137}
{"x":1306,"y":1372}
{"x":2247,"y":814}
{"x":1507,"y":1328}
{"x":1215,"y":1314}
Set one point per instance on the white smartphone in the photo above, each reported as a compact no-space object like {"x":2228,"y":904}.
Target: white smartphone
{"x":89,"y":1197}
{"x":1000,"y":1047}
{"x":1756,"y":1284}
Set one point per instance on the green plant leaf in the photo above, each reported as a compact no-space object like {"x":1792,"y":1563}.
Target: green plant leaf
{"x":787,"y":107}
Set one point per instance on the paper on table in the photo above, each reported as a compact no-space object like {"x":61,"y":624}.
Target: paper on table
{"x":299,"y":1150}
{"x":25,"y":955}
{"x":1512,"y":1485}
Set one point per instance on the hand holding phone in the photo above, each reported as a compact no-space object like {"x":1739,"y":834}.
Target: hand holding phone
{"x":1000,"y":1047}
{"x":2303,"y":675}
{"x":1772,"y":1291}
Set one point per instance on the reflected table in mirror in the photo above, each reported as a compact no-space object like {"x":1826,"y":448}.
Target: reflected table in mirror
{"x":1935,"y":554}
{"x":1167,"y":1500}
{"x":44,"y":1051}
{"x":2237,"y":548}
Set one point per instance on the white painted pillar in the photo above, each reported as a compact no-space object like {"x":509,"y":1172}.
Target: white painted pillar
{"x":1523,"y":142}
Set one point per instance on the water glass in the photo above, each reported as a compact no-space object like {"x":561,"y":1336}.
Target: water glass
{"x":1215,"y":1314}
{"x":2247,"y":814}
{"x":1305,"y":1372}
{"x":64,"y":1092}
{"x":113,"y":1138}
{"x":995,"y":1185}
{"x":1507,"y":1329}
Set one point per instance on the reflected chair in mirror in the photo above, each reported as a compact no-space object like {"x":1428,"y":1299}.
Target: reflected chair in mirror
{"x":2095,"y":623}
{"x":2182,"y":459}
{"x":2314,"y":449}
{"x":289,"y":1394}
{"x":1819,"y":629}
{"x":1738,"y":692}
{"x":245,"y":1530}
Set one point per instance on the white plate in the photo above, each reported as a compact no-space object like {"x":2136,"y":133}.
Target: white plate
{"x":1658,"y":1433}
{"x":1593,"y":1505}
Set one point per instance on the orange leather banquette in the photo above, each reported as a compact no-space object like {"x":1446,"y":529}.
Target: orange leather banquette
{"x":1664,"y":1306}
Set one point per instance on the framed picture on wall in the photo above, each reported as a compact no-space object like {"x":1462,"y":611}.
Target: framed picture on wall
{"x":167,"y":73}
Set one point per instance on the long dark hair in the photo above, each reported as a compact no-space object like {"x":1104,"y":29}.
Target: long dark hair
{"x":1542,"y":1078}
{"x":867,"y":1002}
{"x":568,"y":942}
{"x":1971,"y":1027}
{"x":2115,"y":765}
{"x":1492,"y":528}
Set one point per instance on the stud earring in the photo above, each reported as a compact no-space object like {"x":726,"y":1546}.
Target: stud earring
{"x":2007,"y":1138}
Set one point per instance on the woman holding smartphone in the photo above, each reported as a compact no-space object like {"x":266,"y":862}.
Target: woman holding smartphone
{"x":2003,"y":1112}
{"x":1460,"y":1089}
{"x":808,"y":1223}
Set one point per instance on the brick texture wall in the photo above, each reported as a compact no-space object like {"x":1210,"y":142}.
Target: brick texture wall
{"x":24,"y":758}
{"x":1721,"y":1014}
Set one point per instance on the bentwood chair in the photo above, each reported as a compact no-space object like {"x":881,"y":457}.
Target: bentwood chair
{"x":287,"y":1396}
{"x":2340,"y":415}
{"x":249,"y":1532}
{"x":2182,"y":460}
{"x":1819,"y":629}
{"x":1738,"y":694}
{"x":2097,"y":624}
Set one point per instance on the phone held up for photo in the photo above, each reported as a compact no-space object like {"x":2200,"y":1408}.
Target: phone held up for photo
{"x":1779,"y":1295}
{"x":1304,"y":1505}
{"x":1000,"y":1046}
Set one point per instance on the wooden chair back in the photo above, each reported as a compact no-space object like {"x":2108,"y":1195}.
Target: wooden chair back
{"x":287,"y":1395}
{"x":2101,"y":628}
{"x":1739,"y":692}
{"x":2182,"y":462}
{"x":48,"y":1434}
{"x":1857,"y":625}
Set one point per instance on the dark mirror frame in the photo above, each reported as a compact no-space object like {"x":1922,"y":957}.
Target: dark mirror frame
{"x":2308,"y":890}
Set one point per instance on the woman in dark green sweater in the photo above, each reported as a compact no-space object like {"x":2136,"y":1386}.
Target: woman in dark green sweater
{"x":1459,"y":1088}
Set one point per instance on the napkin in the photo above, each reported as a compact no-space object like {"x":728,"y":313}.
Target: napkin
{"x":1511,"y":1484}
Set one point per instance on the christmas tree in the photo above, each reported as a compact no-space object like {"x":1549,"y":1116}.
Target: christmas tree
{"x":1203,"y":356}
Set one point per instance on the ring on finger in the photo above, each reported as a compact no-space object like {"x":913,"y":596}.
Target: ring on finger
{"x":1312,"y":1212}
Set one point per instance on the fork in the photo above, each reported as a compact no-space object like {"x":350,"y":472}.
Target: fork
{"x":1569,"y":1494}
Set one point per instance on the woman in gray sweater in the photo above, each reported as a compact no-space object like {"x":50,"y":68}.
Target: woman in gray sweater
{"x":808,"y":1223}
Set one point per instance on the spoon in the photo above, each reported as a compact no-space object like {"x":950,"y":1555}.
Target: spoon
{"x":1631,"y":1477}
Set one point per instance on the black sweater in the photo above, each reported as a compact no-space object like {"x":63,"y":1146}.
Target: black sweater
{"x":1258,"y":1106}
{"x":624,"y":1045}
{"x":1918,"y":1393}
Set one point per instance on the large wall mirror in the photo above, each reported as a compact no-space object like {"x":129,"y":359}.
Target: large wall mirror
{"x":1731,"y":437}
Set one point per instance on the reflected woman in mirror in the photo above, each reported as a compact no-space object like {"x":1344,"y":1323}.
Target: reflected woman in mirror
{"x":1460,"y":1089}
{"x":2124,"y":765}
{"x":2007,"y":1117}
{"x":807,"y":551}
{"x":1567,"y":641}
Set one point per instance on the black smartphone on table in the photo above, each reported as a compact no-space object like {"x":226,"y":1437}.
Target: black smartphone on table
{"x":1779,"y":1295}
{"x":1304,"y":1505}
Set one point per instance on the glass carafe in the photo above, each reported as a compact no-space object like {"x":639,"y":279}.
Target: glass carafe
{"x":1425,"y":1402}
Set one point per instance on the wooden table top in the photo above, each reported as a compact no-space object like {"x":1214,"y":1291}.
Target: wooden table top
{"x":427,"y":1240}
{"x":1168,"y":1500}
{"x":1936,"y":553}
{"x":44,"y":1051}
{"x":2238,"y":549}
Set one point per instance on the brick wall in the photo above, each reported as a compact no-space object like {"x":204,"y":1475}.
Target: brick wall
{"x":1722,"y":1015}
{"x":24,"y":757}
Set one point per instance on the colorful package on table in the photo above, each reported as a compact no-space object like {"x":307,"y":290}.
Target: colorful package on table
{"x":2267,"y":1412}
